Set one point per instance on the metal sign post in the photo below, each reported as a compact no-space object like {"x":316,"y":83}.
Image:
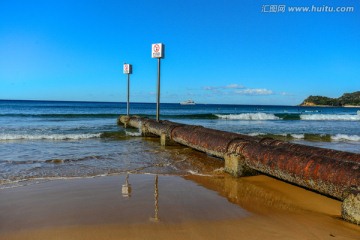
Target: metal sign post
{"x":158,"y":93}
{"x":157,"y":51}
{"x":128,"y":70}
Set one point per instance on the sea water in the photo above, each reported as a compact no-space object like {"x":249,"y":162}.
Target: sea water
{"x":42,"y":140}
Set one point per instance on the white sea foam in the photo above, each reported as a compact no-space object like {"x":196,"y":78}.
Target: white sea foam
{"x":133,"y":134}
{"x":26,"y":182}
{"x":198,"y":174}
{"x":345,"y":137}
{"x":4,"y":137}
{"x":337,"y":137}
{"x":219,"y":170}
{"x":256,"y":134}
{"x":330,"y":117}
{"x":249,"y":116}
{"x":264,"y":134}
{"x":298,"y":136}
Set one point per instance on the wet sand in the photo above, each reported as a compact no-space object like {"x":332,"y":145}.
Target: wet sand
{"x":190,"y":207}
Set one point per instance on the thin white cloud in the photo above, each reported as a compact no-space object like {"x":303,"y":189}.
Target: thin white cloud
{"x":286,"y":94}
{"x":255,"y":91}
{"x":210,"y":88}
{"x":230,"y":86}
{"x":237,"y":89}
{"x":234,"y":86}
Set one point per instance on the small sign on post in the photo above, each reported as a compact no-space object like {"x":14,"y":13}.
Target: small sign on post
{"x":127,"y":69}
{"x":157,"y":51}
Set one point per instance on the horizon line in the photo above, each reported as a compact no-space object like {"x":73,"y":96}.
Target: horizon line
{"x":88,"y":101}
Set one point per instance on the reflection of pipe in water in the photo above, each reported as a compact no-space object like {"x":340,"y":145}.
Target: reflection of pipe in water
{"x":126,"y":188}
{"x":156,"y":196}
{"x":256,"y":198}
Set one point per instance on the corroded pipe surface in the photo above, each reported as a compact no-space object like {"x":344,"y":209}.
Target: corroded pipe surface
{"x":309,"y":167}
{"x":329,"y":176}
{"x":214,"y":142}
{"x":346,"y":156}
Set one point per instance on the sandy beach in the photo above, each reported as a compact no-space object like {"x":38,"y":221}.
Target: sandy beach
{"x":179,"y":120}
{"x":176,"y":207}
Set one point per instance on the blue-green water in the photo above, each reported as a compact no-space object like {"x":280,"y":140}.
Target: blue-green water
{"x":44,"y":140}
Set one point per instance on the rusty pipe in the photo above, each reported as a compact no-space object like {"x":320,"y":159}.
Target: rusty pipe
{"x":330,"y":175}
{"x":346,"y":156}
{"x":158,"y":128}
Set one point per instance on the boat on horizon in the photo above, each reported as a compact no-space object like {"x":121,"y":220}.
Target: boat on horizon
{"x":188,"y":102}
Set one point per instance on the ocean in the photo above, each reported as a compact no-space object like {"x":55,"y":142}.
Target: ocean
{"x":45,"y":140}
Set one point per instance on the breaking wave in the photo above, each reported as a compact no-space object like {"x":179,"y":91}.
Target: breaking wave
{"x":289,"y":116}
{"x":9,"y":137}
{"x":257,"y":116}
{"x":330,"y":117}
{"x":249,"y":116}
{"x":133,"y":134}
{"x":344,"y":137}
{"x":311,"y":137}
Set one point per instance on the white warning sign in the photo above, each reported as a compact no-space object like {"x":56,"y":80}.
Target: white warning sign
{"x":127,"y":68}
{"x":157,"y":50}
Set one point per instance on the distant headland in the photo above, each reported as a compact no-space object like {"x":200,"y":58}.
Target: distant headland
{"x":346,"y":100}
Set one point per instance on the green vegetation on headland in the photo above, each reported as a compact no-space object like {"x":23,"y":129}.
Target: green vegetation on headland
{"x":348,"y":99}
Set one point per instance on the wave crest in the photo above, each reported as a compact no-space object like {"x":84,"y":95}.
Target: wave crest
{"x":345,"y":137}
{"x":310,"y":137}
{"x":9,"y":137}
{"x":330,"y":117}
{"x":249,"y":116}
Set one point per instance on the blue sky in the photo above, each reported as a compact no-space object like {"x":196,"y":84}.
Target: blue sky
{"x":216,"y":51}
